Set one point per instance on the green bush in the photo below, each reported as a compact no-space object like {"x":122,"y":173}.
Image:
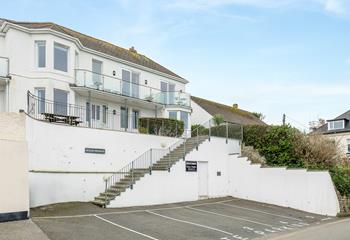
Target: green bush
{"x":287,"y":146}
{"x":275,"y":143}
{"x":341,"y":179}
{"x":202,"y":131}
{"x":161,"y":126}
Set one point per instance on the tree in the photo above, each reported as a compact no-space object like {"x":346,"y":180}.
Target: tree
{"x":259,"y":115}
{"x":218,"y":119}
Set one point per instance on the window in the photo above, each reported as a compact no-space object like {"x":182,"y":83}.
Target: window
{"x":173,"y":114}
{"x":126,"y":82}
{"x":40,"y":93}
{"x":96,"y":72}
{"x":87,"y":111}
{"x":334,"y":125}
{"x":130,"y":83}
{"x":60,"y":57}
{"x":76,"y":60}
{"x":348,"y":143}
{"x":168,"y":92}
{"x":60,"y":102}
{"x":124,"y":117}
{"x":41,"y":54}
{"x":184,"y":118}
{"x":135,"y":119}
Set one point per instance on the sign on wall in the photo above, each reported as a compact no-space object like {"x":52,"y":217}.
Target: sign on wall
{"x":191,"y":166}
{"x":95,"y":150}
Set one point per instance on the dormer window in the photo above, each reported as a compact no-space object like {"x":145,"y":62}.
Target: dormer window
{"x":335,"y":125}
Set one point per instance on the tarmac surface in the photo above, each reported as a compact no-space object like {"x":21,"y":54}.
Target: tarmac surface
{"x":214,"y":219}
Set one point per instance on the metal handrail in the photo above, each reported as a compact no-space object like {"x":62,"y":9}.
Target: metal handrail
{"x":153,"y":155}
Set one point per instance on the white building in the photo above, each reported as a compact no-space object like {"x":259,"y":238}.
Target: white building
{"x":69,"y":73}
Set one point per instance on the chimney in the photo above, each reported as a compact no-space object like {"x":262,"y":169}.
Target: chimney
{"x":235,"y":105}
{"x":132,"y":49}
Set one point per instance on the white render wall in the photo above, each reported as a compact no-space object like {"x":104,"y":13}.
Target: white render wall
{"x":57,"y":159}
{"x":199,"y":115}
{"x":19,"y":47}
{"x":14,"y":187}
{"x":178,"y":185}
{"x":310,"y":191}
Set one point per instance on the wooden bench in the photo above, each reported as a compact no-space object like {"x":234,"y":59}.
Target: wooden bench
{"x":59,"y":118}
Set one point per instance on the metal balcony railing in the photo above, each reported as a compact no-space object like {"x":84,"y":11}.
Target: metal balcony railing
{"x":97,"y":81}
{"x":4,"y":67}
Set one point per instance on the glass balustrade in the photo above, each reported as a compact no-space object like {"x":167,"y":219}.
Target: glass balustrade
{"x":4,"y":66}
{"x":86,"y":78}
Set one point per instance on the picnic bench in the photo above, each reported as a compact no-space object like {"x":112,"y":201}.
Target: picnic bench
{"x":53,"y":117}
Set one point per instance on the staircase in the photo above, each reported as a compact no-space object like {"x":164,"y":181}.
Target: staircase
{"x":134,"y":171}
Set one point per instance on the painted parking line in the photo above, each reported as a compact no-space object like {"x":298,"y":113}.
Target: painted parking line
{"x":259,"y":211}
{"x":191,"y":223}
{"x":227,"y":216}
{"x":134,"y":211}
{"x":125,"y":228}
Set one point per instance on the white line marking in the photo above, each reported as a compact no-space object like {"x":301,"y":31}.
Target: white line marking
{"x":125,"y":228}
{"x":191,"y":223}
{"x":227,"y":216}
{"x":254,"y":210}
{"x":325,"y":219}
{"x":133,"y":211}
{"x":311,"y":217}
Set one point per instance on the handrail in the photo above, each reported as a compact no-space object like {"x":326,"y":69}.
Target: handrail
{"x":146,"y":160}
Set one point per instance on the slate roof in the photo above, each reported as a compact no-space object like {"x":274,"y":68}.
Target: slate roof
{"x":345,"y":116}
{"x":230,"y":114}
{"x":99,"y":45}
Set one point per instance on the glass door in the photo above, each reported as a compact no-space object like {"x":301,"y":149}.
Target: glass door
{"x":60,"y":98}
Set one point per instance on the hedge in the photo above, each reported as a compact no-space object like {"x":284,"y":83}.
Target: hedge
{"x":287,"y":146}
{"x":161,"y":126}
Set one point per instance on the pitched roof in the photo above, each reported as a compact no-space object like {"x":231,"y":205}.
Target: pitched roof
{"x":230,"y":114}
{"x":345,"y":116}
{"x":99,"y":45}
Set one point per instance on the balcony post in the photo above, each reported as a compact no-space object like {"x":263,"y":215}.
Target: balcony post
{"x":226,"y":132}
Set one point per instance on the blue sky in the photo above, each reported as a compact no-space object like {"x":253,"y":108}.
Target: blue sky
{"x":269,"y":56}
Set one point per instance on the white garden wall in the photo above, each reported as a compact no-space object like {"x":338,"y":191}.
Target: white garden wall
{"x":178,"y":185}
{"x":295,"y":188}
{"x":61,"y":171}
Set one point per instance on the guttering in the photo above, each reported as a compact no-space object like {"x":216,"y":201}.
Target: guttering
{"x":8,"y":25}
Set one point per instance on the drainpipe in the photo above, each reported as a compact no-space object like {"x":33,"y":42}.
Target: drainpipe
{"x":90,"y":114}
{"x":7,"y":95}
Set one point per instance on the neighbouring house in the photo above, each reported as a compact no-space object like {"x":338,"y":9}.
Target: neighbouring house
{"x":338,"y":129}
{"x":204,"y":110}
{"x":69,"y":73}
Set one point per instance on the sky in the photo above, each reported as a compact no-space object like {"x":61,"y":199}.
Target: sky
{"x":271,"y":56}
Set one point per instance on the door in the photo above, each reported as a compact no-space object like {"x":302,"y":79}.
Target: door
{"x":60,"y":98}
{"x":126,"y":83}
{"x":96,"y":73}
{"x":164,"y":92}
{"x":203,"y":180}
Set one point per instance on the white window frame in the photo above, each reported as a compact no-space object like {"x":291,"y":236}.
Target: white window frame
{"x":37,"y":43}
{"x":348,"y":146}
{"x":332,"y":123}
{"x":131,"y":91}
{"x":40,"y":101}
{"x":68,"y":60}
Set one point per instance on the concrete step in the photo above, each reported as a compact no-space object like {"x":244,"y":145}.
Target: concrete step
{"x":98,"y":203}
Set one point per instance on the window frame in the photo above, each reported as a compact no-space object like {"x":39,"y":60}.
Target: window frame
{"x":135,"y":121}
{"x":133,"y":89}
{"x":40,"y":99}
{"x":331,"y":125}
{"x":37,"y":55}
{"x":62,"y":46}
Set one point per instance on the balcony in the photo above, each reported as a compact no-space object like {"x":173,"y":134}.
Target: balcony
{"x":112,"y":85}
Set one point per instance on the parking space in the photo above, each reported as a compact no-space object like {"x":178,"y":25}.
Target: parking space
{"x":221,"y":219}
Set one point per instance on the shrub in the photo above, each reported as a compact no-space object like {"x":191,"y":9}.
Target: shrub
{"x":218,"y":119}
{"x":275,"y":143}
{"x":201,"y":130}
{"x":161,"y":126}
{"x":341,"y":179}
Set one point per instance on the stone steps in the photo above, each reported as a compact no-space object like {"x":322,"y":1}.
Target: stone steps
{"x":163,"y":164}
